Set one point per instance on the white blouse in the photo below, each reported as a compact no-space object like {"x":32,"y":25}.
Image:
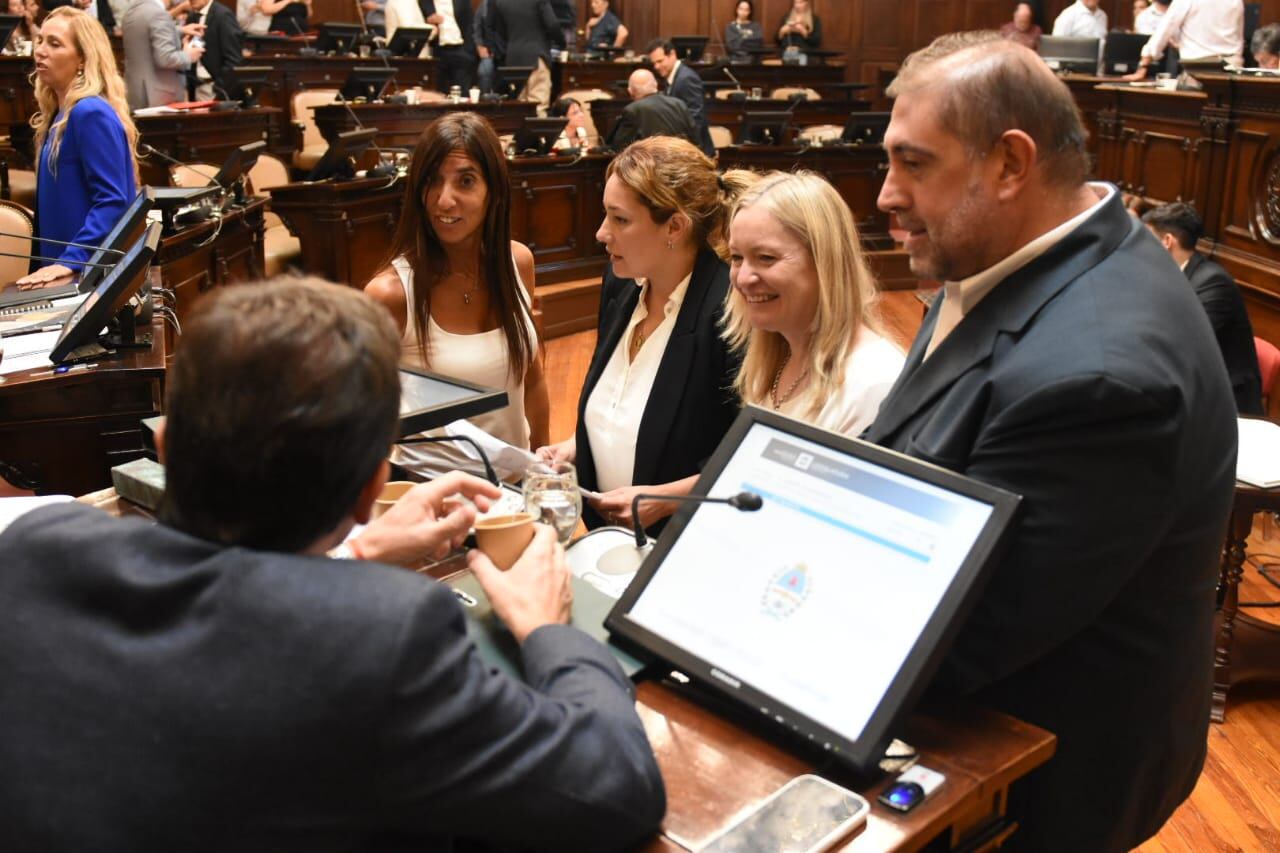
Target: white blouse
{"x":480,"y":358}
{"x":616,"y":405}
{"x":869,"y":373}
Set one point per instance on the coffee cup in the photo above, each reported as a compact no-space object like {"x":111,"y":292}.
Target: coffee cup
{"x":503,"y":538}
{"x":391,"y":492}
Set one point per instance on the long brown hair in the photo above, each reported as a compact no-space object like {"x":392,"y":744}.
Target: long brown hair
{"x":471,"y":135}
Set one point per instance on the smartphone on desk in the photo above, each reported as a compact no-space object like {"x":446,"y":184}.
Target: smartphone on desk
{"x":806,"y":815}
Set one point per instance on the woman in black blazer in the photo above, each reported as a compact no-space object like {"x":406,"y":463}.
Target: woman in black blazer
{"x":658,"y":395}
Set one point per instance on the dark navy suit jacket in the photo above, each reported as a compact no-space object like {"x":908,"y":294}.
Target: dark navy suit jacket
{"x":1221,"y":299}
{"x":1087,"y":384}
{"x":687,"y":86}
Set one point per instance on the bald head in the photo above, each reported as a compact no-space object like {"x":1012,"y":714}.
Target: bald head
{"x":1018,"y":91}
{"x":641,"y":84}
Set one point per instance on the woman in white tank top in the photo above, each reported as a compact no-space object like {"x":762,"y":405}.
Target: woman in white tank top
{"x":464,"y":305}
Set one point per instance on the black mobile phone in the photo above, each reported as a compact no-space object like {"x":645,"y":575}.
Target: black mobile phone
{"x":902,"y":796}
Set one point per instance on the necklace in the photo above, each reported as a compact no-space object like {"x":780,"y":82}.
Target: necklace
{"x":475,"y":283}
{"x":777,"y":377}
{"x":637,"y":340}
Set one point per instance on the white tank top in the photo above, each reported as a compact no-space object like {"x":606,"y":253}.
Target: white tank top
{"x":479,"y":358}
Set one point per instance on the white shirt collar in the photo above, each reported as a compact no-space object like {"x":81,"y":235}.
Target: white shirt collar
{"x":673,"y":303}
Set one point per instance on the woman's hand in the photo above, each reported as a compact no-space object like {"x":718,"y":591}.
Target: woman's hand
{"x":44,"y":275}
{"x":564,"y":451}
{"x":192,"y":29}
{"x":615,"y":506}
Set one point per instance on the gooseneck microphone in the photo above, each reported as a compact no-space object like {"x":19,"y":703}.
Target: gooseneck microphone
{"x":489,"y":473}
{"x":625,"y":559}
{"x":36,"y":239}
{"x":151,"y":149}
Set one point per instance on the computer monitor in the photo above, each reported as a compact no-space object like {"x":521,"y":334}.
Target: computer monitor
{"x":366,"y":82}
{"x":337,"y":161}
{"x":8,"y":23}
{"x":1070,"y":54}
{"x":538,"y":135}
{"x":511,"y":80}
{"x":1121,"y":53}
{"x":119,"y":238}
{"x":408,"y":41}
{"x":690,"y":48}
{"x":239,"y":162}
{"x":765,"y":128}
{"x":865,"y":128}
{"x":108,"y":296}
{"x":337,"y":37}
{"x":827,"y":610}
{"x":429,"y":400}
{"x":247,"y":83}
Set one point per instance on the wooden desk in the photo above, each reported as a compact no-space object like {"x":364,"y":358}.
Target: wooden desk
{"x":857,"y":173}
{"x":64,"y":433}
{"x":598,"y":74}
{"x":17,"y":95}
{"x":212,"y":254}
{"x":205,"y":137}
{"x":400,"y":125}
{"x":732,"y":114}
{"x":346,"y":228}
{"x":714,"y":769}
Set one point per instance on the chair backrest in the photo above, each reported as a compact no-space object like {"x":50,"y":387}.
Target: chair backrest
{"x":15,"y":219}
{"x":192,"y":175}
{"x":783,"y":92}
{"x":721,"y":136}
{"x":269,"y":172}
{"x":1269,"y":367}
{"x":825,"y":132}
{"x":301,"y":110}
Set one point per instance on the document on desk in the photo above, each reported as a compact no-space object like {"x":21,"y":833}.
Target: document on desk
{"x":508,"y":461}
{"x":1258,"y":460}
{"x":27,"y":352}
{"x":11,"y":509}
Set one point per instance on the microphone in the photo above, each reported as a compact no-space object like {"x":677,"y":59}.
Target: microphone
{"x":735,"y":80}
{"x":377,"y":171}
{"x":35,"y":239}
{"x":151,"y":149}
{"x":306,"y":49}
{"x":489,"y":473}
{"x":625,"y":559}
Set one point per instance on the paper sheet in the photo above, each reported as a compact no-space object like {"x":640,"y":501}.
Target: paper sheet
{"x":1258,"y":462}
{"x":25,"y":352}
{"x":13,"y":508}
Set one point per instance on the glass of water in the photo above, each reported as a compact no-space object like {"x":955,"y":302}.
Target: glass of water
{"x":551,"y":495}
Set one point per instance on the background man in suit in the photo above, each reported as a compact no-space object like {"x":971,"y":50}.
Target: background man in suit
{"x":455,"y":49}
{"x":491,"y":47}
{"x":223,"y":50}
{"x":214,"y":682}
{"x":529,"y":29}
{"x":1060,"y":365}
{"x":155,"y":55}
{"x":683,"y":83}
{"x":99,"y":9}
{"x":650,"y":113}
{"x":1178,"y":227}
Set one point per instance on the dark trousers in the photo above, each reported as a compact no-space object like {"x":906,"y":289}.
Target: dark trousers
{"x":455,"y":66}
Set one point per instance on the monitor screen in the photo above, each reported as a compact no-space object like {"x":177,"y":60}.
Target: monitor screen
{"x":1121,"y":52}
{"x":127,"y":227}
{"x":1062,"y":53}
{"x":408,"y":41}
{"x":247,"y":82}
{"x":538,"y":135}
{"x":337,"y":159}
{"x":8,"y":23}
{"x":429,"y":400}
{"x":865,"y":128}
{"x":765,"y":128}
{"x":511,"y":80}
{"x":829,"y":607}
{"x":99,"y":306}
{"x":690,"y":48}
{"x":335,"y":37}
{"x":239,"y":162}
{"x":367,"y":82}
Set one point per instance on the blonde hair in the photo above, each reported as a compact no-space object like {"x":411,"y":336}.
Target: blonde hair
{"x":805,"y":17}
{"x":670,"y":175}
{"x":98,"y":77}
{"x":810,"y":208}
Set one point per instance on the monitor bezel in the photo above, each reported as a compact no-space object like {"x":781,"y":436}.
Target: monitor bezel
{"x":408,"y":41}
{"x":118,"y":239}
{"x":865,"y":119}
{"x":337,"y":37}
{"x":484,"y":399}
{"x":752,"y":119}
{"x":348,"y":145}
{"x":929,"y":647}
{"x":247,"y":81}
{"x":239,"y":162}
{"x":508,"y":75}
{"x":362,"y":76}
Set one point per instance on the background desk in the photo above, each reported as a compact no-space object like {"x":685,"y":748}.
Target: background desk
{"x":732,"y":114}
{"x":400,"y":125}
{"x":598,"y":74}
{"x":212,"y":254}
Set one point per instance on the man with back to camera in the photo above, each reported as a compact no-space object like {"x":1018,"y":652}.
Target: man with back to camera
{"x":1178,"y":227}
{"x":529,"y":29}
{"x":683,"y":83}
{"x":1082,"y":19}
{"x":650,"y":113}
{"x":214,"y":682}
{"x":1199,"y":29}
{"x":1060,"y":365}
{"x":157,"y":55}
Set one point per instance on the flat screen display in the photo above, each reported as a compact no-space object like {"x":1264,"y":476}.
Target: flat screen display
{"x":824,"y":608}
{"x":429,"y":400}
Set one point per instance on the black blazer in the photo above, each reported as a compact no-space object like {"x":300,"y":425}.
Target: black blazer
{"x":692,"y":402}
{"x":653,"y":115}
{"x":1088,"y":385}
{"x":687,"y":86}
{"x":1221,"y":299}
{"x":105,"y":16}
{"x":528,"y":28}
{"x":462,"y":13}
{"x":223,"y":43}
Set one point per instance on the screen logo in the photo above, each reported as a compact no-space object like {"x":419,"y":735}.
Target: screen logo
{"x":786,"y":591}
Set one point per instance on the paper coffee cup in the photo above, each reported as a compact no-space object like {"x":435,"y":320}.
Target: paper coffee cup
{"x":391,"y":492}
{"x":503,"y":538}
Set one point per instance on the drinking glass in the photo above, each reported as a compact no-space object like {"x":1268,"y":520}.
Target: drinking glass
{"x":551,"y":495}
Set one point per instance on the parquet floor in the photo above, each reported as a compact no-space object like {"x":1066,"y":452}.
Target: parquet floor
{"x":1236,"y":805}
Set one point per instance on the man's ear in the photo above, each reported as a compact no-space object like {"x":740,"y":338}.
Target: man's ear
{"x":160,"y":434}
{"x":1016,"y":157}
{"x":362,"y":511}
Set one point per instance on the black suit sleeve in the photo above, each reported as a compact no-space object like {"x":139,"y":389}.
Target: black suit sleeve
{"x":624,"y":131}
{"x":230,"y":42}
{"x":563,"y":759}
{"x":1217,"y":294}
{"x":105,"y":16}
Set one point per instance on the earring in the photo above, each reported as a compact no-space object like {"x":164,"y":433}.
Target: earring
{"x":670,"y":245}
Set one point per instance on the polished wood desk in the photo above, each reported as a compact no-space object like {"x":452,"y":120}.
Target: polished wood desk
{"x":400,"y":125}
{"x":857,"y":172}
{"x":346,"y":227}
{"x":62,"y":434}
{"x":17,"y":95}
{"x":213,"y":254}
{"x":732,"y":114}
{"x":598,"y":74}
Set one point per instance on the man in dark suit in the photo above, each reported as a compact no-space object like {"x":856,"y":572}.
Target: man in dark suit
{"x":1178,"y":227}
{"x":683,"y":83}
{"x":99,"y":9}
{"x":650,"y":113}
{"x":223,"y":50}
{"x":529,"y":28}
{"x":1061,"y":366}
{"x":455,"y":50}
{"x":215,"y":682}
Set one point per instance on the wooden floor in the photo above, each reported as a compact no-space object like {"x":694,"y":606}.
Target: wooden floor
{"x":1236,"y":805}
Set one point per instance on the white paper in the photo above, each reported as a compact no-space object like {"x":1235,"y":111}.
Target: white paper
{"x":508,"y":460}
{"x":11,"y":509}
{"x":1258,"y":462}
{"x":27,"y":352}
